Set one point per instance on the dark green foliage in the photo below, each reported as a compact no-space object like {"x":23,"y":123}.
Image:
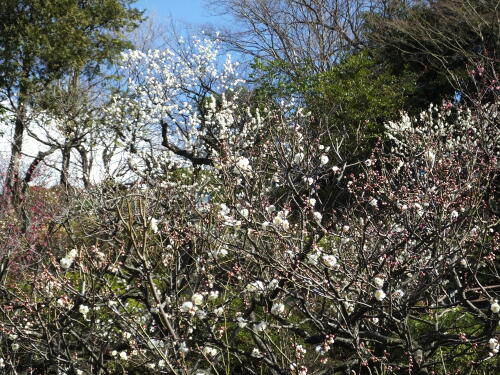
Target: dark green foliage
{"x":40,"y":40}
{"x":352,"y":99}
{"x":440,"y":41}
{"x":357,"y":94}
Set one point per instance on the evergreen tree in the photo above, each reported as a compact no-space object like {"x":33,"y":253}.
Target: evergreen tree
{"x":42,"y":40}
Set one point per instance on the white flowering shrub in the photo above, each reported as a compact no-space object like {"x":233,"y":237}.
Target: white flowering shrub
{"x":246,"y":246}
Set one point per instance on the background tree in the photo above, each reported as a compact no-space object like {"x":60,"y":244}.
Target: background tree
{"x":442,"y":42}
{"x":316,"y":52}
{"x":320,"y":32}
{"x":40,"y":41}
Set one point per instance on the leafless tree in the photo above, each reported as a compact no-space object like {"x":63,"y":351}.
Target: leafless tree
{"x":296,"y":31}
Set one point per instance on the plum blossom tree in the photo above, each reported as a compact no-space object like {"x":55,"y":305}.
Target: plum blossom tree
{"x":224,"y":256}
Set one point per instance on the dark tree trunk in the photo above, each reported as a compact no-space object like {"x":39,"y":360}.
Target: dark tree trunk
{"x":86,"y":166}
{"x":66,"y":157}
{"x":12,"y":181}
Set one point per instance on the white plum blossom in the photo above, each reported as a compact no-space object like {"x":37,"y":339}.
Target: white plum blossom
{"x":242,"y":322}
{"x":209,"y":351}
{"x":153,"y":224}
{"x":197,"y":299}
{"x":188,"y":306}
{"x":273,"y":284}
{"x":68,"y":259}
{"x":256,"y":353}
{"x":83,"y":309}
{"x":495,"y":307}
{"x":430,"y":156}
{"x":379,"y":282}
{"x":379,"y":295}
{"x":349,"y":306}
{"x":66,"y":263}
{"x":244,"y":212}
{"x":183,"y":348}
{"x":260,"y":327}
{"x":324,"y":159}
{"x":213,"y":295}
{"x":317,"y":216}
{"x":300,"y":349}
{"x":329,"y":260}
{"x":280,"y":220}
{"x":244,"y":164}
{"x":219,"y":311}
{"x":313,"y":257}
{"x":270,"y":209}
{"x":255,"y":287}
{"x":297,"y":159}
{"x":220,"y":253}
{"x":278,"y":308}
{"x":224,"y":210}
{"x":123,"y":355}
{"x":493,"y":343}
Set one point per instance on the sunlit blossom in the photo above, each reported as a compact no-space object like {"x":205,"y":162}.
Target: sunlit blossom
{"x":329,"y":260}
{"x":297,"y":159}
{"x":495,"y":307}
{"x":83,"y":309}
{"x":278,"y":308}
{"x":378,"y":281}
{"x":197,"y":299}
{"x":379,"y":295}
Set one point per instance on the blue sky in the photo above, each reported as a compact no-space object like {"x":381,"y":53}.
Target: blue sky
{"x":190,"y":11}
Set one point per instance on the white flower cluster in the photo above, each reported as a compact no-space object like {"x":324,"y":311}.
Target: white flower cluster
{"x":379,"y":295}
{"x":278,"y":308}
{"x":243,"y":165}
{"x":209,"y":351}
{"x":160,"y":91}
{"x":258,"y":286}
{"x":450,"y":131}
{"x":495,"y":307}
{"x":280,"y":220}
{"x":493,"y":344}
{"x":84,"y":310}
{"x":153,"y":224}
{"x":225,"y":215}
{"x":68,"y":259}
